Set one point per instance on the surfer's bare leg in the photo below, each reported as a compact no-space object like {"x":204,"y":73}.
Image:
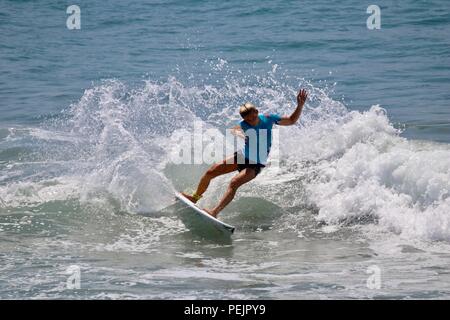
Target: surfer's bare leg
{"x":217,"y":169}
{"x":238,"y":180}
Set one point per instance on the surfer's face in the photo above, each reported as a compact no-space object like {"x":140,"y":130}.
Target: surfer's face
{"x":252,"y":118}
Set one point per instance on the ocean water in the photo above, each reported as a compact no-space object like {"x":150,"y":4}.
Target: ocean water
{"x":358,"y":207}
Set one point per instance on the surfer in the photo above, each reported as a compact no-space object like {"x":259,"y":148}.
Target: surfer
{"x":256,"y":129}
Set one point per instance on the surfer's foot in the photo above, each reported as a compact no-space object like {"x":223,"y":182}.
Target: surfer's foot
{"x":191,"y":198}
{"x":211,"y":212}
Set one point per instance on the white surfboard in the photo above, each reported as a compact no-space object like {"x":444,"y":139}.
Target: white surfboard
{"x":222,"y":226}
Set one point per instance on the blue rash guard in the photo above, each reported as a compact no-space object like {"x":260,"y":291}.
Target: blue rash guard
{"x":258,"y":139}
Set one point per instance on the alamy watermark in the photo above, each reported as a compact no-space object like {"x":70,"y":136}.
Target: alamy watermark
{"x":74,"y":279}
{"x":73,"y":22}
{"x":211,"y":146}
{"x":374,"y":20}
{"x":374,"y":280}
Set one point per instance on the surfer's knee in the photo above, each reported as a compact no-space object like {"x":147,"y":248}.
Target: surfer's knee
{"x":213,"y":171}
{"x":235,"y":183}
{"x":239,"y":180}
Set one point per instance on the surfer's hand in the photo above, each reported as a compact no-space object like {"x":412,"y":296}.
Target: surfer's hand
{"x":237,"y":131}
{"x":301,"y":97}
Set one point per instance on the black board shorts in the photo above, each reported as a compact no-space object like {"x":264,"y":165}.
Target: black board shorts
{"x":245,"y":163}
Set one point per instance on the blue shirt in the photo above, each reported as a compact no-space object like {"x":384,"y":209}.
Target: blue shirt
{"x":258,"y":139}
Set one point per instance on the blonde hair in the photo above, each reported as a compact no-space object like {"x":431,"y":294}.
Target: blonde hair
{"x":246,"y":108}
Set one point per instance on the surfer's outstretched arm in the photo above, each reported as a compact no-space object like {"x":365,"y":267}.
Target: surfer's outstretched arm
{"x":293,"y":118}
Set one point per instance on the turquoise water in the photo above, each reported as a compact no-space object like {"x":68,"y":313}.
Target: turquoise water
{"x":89,"y":118}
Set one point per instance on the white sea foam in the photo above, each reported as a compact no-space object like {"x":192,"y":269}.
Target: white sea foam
{"x":361,"y":168}
{"x":351,"y":166}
